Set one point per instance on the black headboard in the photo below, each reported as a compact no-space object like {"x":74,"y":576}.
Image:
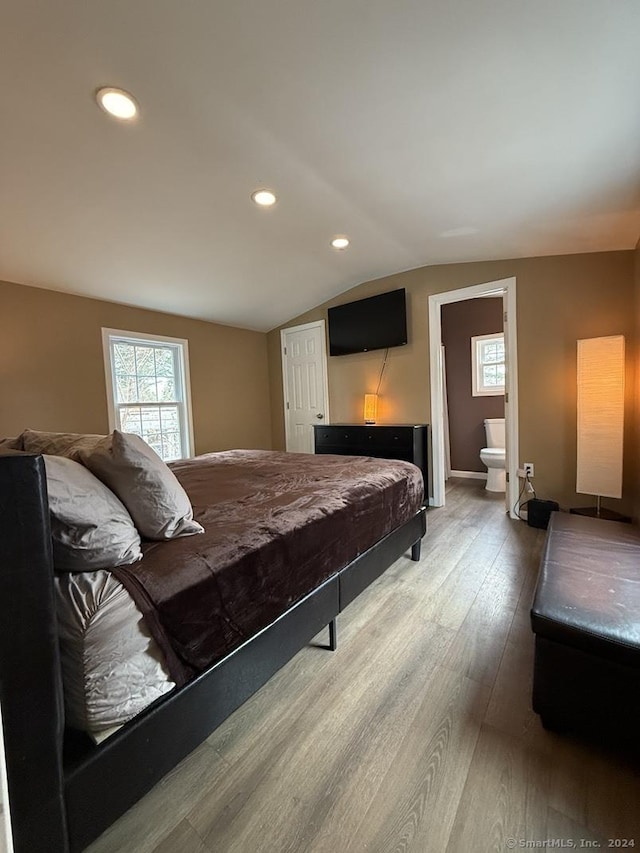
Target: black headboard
{"x":30,"y":678}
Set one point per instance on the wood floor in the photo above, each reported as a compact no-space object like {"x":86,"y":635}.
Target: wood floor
{"x":416,"y":735}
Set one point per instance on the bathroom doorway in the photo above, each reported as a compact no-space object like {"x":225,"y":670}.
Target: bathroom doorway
{"x":506,"y":290}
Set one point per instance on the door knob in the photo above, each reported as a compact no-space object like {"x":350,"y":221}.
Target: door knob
{"x":320,"y":416}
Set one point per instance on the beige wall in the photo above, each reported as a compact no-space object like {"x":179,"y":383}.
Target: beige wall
{"x":636,"y":377}
{"x":560,"y":299}
{"x":52,"y":372}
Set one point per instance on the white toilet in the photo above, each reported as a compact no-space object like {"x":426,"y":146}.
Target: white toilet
{"x":493,"y":455}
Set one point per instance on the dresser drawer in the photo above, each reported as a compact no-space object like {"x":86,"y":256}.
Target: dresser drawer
{"x":364,"y":437}
{"x":337,"y":436}
{"x":391,"y":437}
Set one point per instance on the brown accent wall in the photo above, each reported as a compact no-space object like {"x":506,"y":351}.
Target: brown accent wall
{"x":560,"y":299}
{"x":52,"y":370}
{"x":460,"y":322}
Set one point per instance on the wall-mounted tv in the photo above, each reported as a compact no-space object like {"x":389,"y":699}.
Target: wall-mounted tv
{"x":374,"y":323}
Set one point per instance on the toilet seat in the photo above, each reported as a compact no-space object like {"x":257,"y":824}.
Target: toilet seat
{"x":497,"y":453}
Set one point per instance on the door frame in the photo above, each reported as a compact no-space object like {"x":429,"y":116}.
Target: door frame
{"x":508,"y":288}
{"x":301,"y":328}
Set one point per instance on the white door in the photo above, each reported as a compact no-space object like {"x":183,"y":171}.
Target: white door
{"x":304,"y":375}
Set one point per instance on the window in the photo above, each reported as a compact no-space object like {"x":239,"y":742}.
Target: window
{"x":148,"y":390}
{"x":488,"y":367}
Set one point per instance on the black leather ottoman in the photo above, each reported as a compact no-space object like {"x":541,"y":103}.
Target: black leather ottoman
{"x":586,"y":618}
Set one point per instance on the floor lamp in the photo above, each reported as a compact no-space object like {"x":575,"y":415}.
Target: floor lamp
{"x":600,"y":421}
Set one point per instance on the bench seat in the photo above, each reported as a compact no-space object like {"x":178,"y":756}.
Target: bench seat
{"x":586,"y":618}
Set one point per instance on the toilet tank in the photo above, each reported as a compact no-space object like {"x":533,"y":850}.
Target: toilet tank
{"x":494,"y":429}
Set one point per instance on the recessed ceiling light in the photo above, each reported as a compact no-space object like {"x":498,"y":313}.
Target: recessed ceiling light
{"x":340,"y":241}
{"x":265,"y":198}
{"x":117,"y":103}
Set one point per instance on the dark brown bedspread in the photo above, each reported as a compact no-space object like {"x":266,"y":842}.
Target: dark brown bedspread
{"x":276,"y":526}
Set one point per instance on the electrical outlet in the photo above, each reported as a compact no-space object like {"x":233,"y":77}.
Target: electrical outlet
{"x":528,"y":469}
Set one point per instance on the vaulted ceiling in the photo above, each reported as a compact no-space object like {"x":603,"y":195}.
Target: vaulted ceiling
{"x":428,"y":131}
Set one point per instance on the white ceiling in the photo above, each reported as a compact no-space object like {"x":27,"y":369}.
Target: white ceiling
{"x":429,"y":131}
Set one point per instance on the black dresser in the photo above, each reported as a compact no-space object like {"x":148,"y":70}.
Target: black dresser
{"x":406,"y":441}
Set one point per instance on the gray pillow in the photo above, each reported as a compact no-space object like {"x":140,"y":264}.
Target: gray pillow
{"x":11,"y":444}
{"x":158,"y":504}
{"x":58,"y":443}
{"x":90,"y":527}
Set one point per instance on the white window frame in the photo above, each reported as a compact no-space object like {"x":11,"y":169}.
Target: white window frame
{"x":182,"y":346}
{"x":478,"y":389}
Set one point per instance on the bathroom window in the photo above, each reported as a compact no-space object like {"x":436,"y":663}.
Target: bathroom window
{"x":488,"y":366}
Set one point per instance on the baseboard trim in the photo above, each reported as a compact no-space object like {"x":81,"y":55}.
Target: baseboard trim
{"x":470,"y":475}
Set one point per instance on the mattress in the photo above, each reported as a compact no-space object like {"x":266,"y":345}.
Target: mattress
{"x":276,"y":526}
{"x":112,"y":668}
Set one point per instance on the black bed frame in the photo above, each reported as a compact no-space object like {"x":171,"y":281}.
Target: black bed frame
{"x":63,"y":792}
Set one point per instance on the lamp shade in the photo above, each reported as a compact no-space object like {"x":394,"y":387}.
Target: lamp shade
{"x":600,"y":416}
{"x":370,"y":408}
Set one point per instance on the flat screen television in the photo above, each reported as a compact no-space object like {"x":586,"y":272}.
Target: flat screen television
{"x":374,"y":323}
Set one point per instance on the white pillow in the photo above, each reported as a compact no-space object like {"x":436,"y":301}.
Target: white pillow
{"x":158,"y":504}
{"x":90,"y":527}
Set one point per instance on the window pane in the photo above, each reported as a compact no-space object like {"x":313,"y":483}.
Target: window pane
{"x":170,"y":418}
{"x":147,"y":391}
{"x":123,"y":358}
{"x":164,"y":362}
{"x":130,"y":420}
{"x":492,"y":351}
{"x":145,"y":361}
{"x":126,"y":389}
{"x":489,"y":376}
{"x":151,"y":429}
{"x":166,"y":390}
{"x":150,"y":418}
{"x":171,"y":448}
{"x":493,"y":375}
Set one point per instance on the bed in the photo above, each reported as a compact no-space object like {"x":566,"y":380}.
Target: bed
{"x":64,"y":788}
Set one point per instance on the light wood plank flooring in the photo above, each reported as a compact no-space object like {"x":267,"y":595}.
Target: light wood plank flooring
{"x":416,"y":735}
